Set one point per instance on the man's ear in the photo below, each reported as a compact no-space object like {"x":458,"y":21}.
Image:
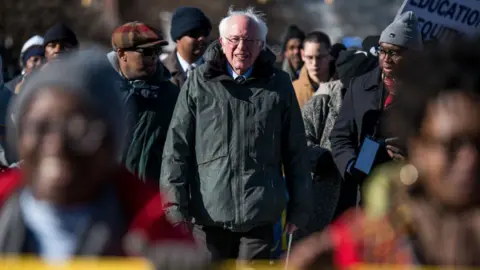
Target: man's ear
{"x":220,"y":39}
{"x":302,"y":54}
{"x":263,"y":46}
{"x":121,"y":55}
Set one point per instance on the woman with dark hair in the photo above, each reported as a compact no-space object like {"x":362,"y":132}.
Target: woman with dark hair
{"x":316,"y":69}
{"x":319,"y":115}
{"x":71,"y":197}
{"x":427,"y":210}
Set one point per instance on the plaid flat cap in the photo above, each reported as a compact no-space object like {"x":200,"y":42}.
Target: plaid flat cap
{"x":136,"y":35}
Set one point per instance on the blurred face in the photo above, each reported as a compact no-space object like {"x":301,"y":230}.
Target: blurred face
{"x":316,"y":59}
{"x":243,"y":44}
{"x":33,"y":62}
{"x":139,"y":63}
{"x":292,"y":52}
{"x":193,"y":44}
{"x":446,"y":153}
{"x":54,"y":49}
{"x":390,"y":57}
{"x":67,"y":157}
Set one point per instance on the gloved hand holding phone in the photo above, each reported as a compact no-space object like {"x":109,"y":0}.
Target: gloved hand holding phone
{"x":394,"y":149}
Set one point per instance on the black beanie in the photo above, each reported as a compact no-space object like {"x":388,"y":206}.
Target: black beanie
{"x":292,"y":32}
{"x":334,"y":52}
{"x":186,"y":19}
{"x":60,"y":32}
{"x":336,"y":49}
{"x":370,"y":43}
{"x":352,"y":64}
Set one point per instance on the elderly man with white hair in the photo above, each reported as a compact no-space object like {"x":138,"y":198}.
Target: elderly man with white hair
{"x":236,"y":122}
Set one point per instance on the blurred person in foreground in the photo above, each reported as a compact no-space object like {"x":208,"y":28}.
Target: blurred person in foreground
{"x":292,"y":45}
{"x":424,"y":211}
{"x":31,"y":58}
{"x":146,"y":88}
{"x":71,"y":197}
{"x":319,"y":115}
{"x":190,"y":29}
{"x":235,"y":122}
{"x":58,"y":40}
{"x":368,"y":100}
{"x":316,"y":59}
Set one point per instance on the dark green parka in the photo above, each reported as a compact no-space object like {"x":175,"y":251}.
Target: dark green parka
{"x":223,"y":156}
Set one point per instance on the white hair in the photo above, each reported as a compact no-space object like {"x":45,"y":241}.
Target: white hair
{"x":252,"y":14}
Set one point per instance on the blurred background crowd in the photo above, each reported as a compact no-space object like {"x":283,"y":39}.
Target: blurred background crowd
{"x":332,"y":133}
{"x":94,"y":20}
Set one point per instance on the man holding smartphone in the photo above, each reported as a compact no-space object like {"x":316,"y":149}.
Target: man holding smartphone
{"x":358,"y":144}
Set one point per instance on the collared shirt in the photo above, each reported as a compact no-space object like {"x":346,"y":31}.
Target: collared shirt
{"x":185,"y":65}
{"x":55,"y":230}
{"x":234,"y":75}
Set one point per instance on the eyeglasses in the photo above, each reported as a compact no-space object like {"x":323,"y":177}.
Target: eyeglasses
{"x":455,"y":144}
{"x":82,"y":135}
{"x":246,"y":41}
{"x":146,"y":51}
{"x":394,"y":55}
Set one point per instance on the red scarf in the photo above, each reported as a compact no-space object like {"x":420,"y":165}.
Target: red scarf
{"x":390,"y":86}
{"x":141,"y":203}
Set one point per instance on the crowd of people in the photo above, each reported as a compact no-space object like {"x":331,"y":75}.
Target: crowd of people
{"x":372,"y":153}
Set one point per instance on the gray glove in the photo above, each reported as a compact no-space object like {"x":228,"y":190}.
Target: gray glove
{"x":169,"y":255}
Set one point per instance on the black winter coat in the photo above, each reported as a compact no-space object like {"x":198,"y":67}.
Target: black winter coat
{"x":359,"y":117}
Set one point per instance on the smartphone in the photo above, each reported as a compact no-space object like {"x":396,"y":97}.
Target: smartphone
{"x":367,"y":155}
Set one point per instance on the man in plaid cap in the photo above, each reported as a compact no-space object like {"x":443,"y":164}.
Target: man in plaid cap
{"x":146,"y":86}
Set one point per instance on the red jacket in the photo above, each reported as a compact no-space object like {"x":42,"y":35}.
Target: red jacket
{"x":142,"y":205}
{"x":358,"y":240}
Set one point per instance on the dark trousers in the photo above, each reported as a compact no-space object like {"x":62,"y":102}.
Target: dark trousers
{"x":348,"y":198}
{"x":223,"y":244}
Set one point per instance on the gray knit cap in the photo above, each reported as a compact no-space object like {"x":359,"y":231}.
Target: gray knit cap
{"x":403,"y":32}
{"x":85,"y":73}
